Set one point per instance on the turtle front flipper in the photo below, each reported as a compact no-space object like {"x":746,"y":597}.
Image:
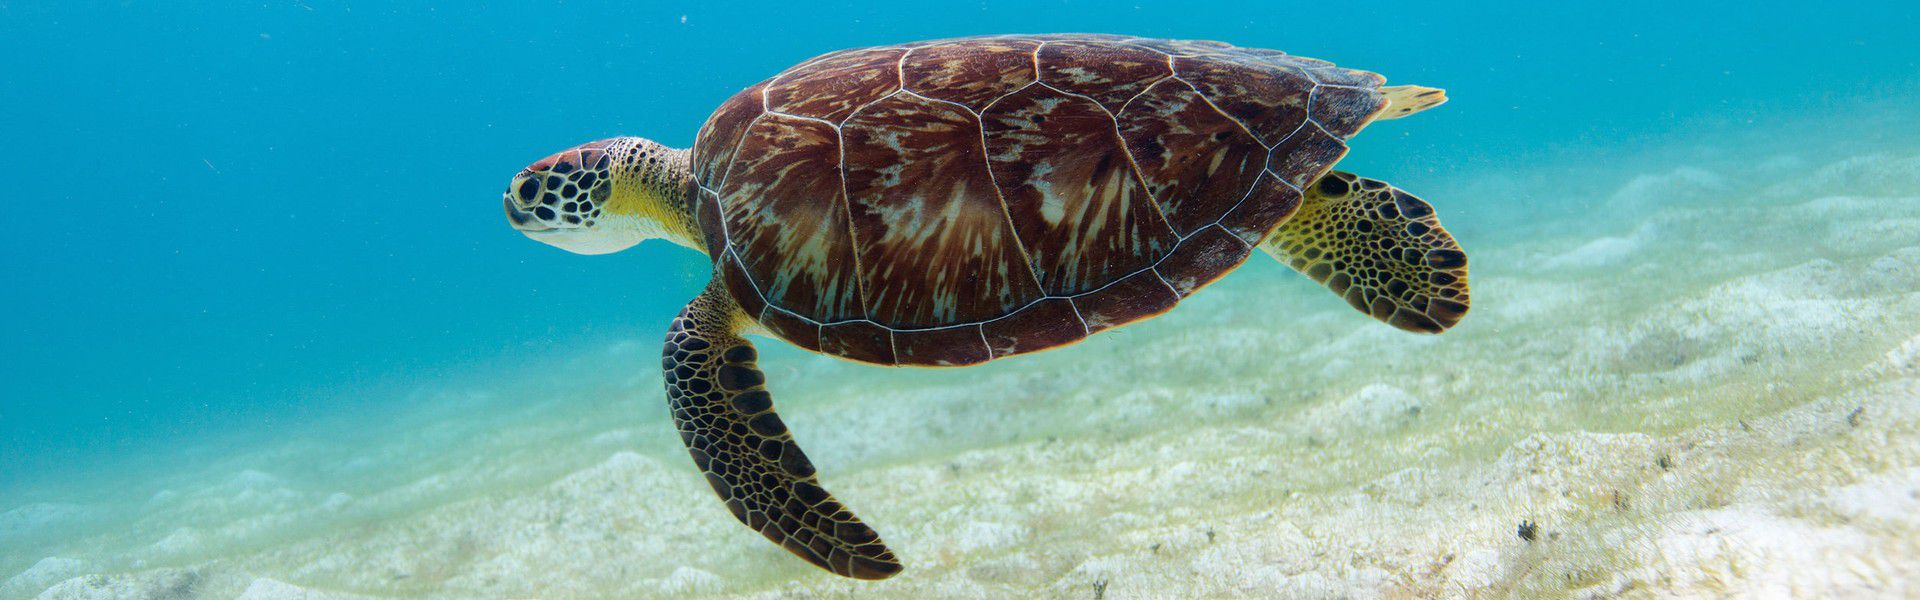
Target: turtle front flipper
{"x":720,"y":404}
{"x":1380,"y":248}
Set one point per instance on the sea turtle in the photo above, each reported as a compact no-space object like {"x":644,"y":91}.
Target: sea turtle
{"x":951,"y":202}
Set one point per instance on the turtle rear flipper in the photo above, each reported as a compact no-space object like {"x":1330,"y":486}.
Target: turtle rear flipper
{"x":1380,"y":248}
{"x":720,"y":404}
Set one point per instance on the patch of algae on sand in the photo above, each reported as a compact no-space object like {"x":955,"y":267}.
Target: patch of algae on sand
{"x":1716,"y":391}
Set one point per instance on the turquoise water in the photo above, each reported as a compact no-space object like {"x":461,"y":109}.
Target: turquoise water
{"x":257,"y":243}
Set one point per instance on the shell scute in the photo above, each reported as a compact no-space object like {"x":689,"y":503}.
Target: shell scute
{"x":1268,"y":205}
{"x":712,"y":230}
{"x":785,"y":217}
{"x":948,"y":347}
{"x":833,"y":86}
{"x":1202,"y":258}
{"x":1327,"y":74}
{"x":1048,"y":323}
{"x":1342,"y":111}
{"x":1197,"y":162}
{"x":1303,"y":156}
{"x":720,"y":136}
{"x":1080,"y":210}
{"x":1130,"y":299}
{"x":863,"y":341}
{"x":1269,"y":102}
{"x":972,"y":74}
{"x":928,"y":224}
{"x":1111,"y":73}
{"x":1182,"y":47}
{"x":802,"y":331}
{"x":741,"y":286}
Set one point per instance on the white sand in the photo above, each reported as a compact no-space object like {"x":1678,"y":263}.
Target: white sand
{"x":1713,"y":390}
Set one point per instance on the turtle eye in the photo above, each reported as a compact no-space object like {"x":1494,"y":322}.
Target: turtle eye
{"x":527,"y":190}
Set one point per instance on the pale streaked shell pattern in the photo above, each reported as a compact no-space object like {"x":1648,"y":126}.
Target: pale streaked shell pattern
{"x":955,"y":201}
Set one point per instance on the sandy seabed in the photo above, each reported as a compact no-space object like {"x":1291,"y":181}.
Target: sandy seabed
{"x":1711,"y":388}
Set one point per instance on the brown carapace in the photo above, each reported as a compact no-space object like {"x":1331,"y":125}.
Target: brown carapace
{"x":948,"y":203}
{"x":951,"y":202}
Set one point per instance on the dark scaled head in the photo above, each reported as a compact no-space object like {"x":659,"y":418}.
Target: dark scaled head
{"x":603,"y":196}
{"x":564,"y":199}
{"x":567,"y":190}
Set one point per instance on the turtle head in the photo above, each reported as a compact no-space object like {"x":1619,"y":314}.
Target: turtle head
{"x":604,"y":196}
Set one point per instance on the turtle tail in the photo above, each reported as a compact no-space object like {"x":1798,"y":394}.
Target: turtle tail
{"x":1403,"y":100}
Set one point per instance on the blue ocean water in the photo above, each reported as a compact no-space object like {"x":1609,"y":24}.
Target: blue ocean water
{"x":231,"y":221}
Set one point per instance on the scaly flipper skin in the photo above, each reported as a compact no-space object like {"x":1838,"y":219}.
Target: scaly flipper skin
{"x":720,"y":404}
{"x":1380,"y":248}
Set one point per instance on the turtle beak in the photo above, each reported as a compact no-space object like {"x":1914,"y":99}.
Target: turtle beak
{"x":522,"y":220}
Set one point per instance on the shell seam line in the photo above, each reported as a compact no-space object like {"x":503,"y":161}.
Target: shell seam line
{"x":1163,"y":281}
{"x":853,"y":239}
{"x":984,"y":344}
{"x":1223,"y":113}
{"x":840,"y":140}
{"x":1152,"y":199}
{"x":1266,"y":172}
{"x":980,"y":124}
{"x":719,"y":200}
{"x":986,"y":158}
{"x":1126,"y":151}
{"x":1084,"y":329}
